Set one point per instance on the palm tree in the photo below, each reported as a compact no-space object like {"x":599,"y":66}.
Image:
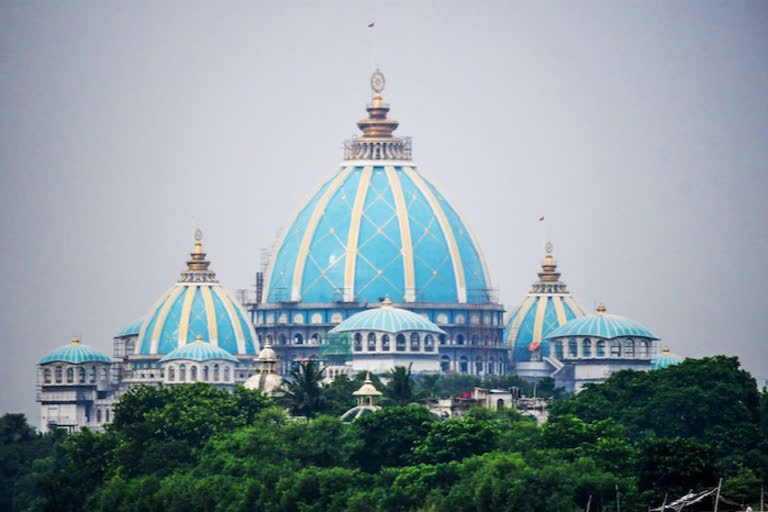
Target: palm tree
{"x":303,"y":391}
{"x":399,"y":389}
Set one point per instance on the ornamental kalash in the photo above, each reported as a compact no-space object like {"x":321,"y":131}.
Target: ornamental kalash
{"x":376,"y":235}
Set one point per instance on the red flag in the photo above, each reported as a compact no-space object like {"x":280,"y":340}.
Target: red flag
{"x":370,"y":25}
{"x":541,"y":219}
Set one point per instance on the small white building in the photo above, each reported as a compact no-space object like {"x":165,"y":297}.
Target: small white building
{"x":385,"y":337}
{"x":367,"y":401}
{"x":591,"y":348}
{"x":75,"y":388}
{"x":266,"y":378}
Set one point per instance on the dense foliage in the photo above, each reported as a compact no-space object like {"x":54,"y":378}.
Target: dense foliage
{"x":197,"y":448}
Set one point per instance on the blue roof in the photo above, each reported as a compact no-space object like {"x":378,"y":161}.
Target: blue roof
{"x":377,"y":231}
{"x":386,"y":319}
{"x":75,"y":353}
{"x":191,"y":309}
{"x":132,"y":329}
{"x":602,"y":326}
{"x":198,"y":351}
{"x":665,"y":360}
{"x":522,"y":331}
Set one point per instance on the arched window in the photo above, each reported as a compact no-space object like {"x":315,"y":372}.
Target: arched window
{"x":445,"y":363}
{"x":586,"y":348}
{"x":415,"y":345}
{"x":282,"y":339}
{"x":193,"y":373}
{"x":182,"y":372}
{"x":475,"y":340}
{"x":92,"y":375}
{"x":615,"y":348}
{"x":298,"y":339}
{"x":559,"y":349}
{"x":358,"y":342}
{"x":499,"y":404}
{"x":59,"y":374}
{"x":459,"y":339}
{"x":400,"y":343}
{"x":573,"y":348}
{"x":372,"y":342}
{"x":216,"y":373}
{"x":642,"y":349}
{"x":104,"y":373}
{"x":226,"y":373}
{"x":463,"y":364}
{"x":70,"y":375}
{"x":106,"y":414}
{"x":171,"y":374}
{"x":385,"y":342}
{"x":478,"y":366}
{"x":442,"y":339}
{"x":98,"y":415}
{"x":315,"y":339}
{"x":601,"y":348}
{"x":81,"y":373}
{"x":629,"y":349}
{"x":205,"y":373}
{"x":269,"y":339}
{"x":429,"y":343}
{"x":47,"y":375}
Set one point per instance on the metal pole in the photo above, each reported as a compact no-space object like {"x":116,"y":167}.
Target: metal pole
{"x":717,"y":497}
{"x":762,"y":499}
{"x":664,"y":504}
{"x":589,"y":502}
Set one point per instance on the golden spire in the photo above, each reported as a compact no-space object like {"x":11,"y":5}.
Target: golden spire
{"x":601,"y":309}
{"x":377,"y":141}
{"x":549,"y":277}
{"x":197,"y":266}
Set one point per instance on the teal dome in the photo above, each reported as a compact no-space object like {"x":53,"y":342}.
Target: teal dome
{"x":75,"y":353}
{"x":602,"y":325}
{"x":377,"y":228}
{"x":548,"y":306}
{"x":386,"y":319}
{"x":131,"y":330}
{"x":198,"y":350}
{"x":665,"y":360}
{"x":196,"y":306}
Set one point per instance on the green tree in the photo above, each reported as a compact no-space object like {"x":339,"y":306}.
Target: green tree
{"x":388,"y":436}
{"x":303,"y":390}
{"x":457,"y":438}
{"x":399,"y":389}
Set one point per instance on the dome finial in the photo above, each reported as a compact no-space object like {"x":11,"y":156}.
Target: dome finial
{"x":601,"y":309}
{"x":386,"y":303}
{"x":548,"y":247}
{"x":199,"y":338}
{"x":197,"y":265}
{"x":76,"y":340}
{"x":377,"y":141}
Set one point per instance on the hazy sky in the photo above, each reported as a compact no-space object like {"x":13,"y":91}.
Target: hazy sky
{"x":638,"y":129}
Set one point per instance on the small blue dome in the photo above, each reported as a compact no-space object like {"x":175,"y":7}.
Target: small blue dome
{"x":75,"y":353}
{"x":131,"y":330}
{"x":386,"y":319}
{"x":665,"y":360}
{"x":198,"y":350}
{"x":548,"y":306}
{"x":196,"y":306}
{"x":602,"y":325}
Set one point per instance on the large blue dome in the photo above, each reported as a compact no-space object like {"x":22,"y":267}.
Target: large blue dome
{"x":196,"y":306}
{"x":377,"y":229}
{"x":548,"y":306}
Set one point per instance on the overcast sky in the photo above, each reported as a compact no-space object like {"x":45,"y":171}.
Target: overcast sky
{"x":638,"y":129}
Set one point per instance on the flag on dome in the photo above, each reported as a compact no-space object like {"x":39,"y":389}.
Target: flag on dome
{"x":370,"y":25}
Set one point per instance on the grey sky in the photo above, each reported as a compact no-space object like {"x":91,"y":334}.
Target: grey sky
{"x":639,"y":129}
